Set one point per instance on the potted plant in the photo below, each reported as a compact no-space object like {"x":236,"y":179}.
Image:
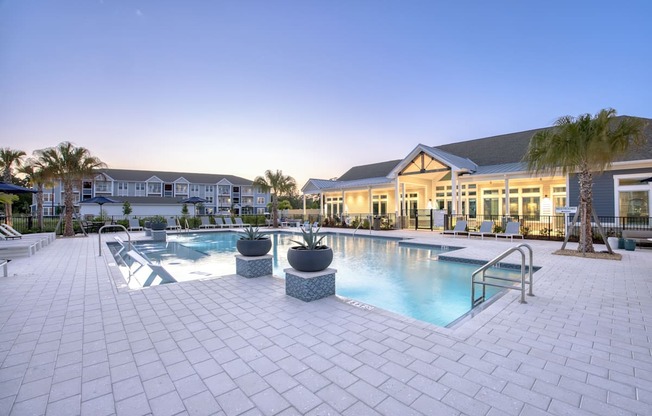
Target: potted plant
{"x":158,"y":222}
{"x":310,"y":255}
{"x":253,"y":242}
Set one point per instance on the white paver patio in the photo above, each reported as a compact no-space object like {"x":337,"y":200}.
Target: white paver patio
{"x":72,"y":342}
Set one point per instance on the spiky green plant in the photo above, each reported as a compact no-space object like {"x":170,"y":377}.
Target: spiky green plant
{"x":251,"y":233}
{"x":311,"y":239}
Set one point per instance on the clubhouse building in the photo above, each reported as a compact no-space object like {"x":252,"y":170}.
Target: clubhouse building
{"x":483,"y":178}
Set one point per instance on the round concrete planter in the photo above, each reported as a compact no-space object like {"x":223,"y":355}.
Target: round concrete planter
{"x":251,"y":248}
{"x":310,"y":260}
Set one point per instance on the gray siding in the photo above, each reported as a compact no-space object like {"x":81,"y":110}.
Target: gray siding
{"x":603,"y":190}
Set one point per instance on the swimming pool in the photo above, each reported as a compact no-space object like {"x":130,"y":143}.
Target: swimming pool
{"x":408,"y":280}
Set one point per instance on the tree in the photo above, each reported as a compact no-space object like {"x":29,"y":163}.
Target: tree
{"x":584,"y":145}
{"x":69,"y":164}
{"x":8,"y":159}
{"x":126,"y":209}
{"x":36,"y":175}
{"x":279,"y":185}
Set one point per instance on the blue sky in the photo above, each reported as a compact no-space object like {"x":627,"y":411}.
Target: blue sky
{"x":309,"y":87}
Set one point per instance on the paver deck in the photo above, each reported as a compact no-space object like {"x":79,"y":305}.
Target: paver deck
{"x":72,"y":342}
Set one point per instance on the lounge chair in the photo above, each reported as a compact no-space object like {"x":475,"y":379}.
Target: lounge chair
{"x":173,"y":224}
{"x":206,"y":223}
{"x":229,"y":223}
{"x":134,"y":225}
{"x":459,"y":229}
{"x":239,"y":223}
{"x":8,"y":235}
{"x":486,"y":228}
{"x":219,"y":222}
{"x":513,"y":229}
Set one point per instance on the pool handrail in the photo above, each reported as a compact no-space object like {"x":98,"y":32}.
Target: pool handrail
{"x":493,"y":262}
{"x":99,"y":235}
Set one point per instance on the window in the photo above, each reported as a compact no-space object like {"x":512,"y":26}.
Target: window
{"x":210,"y":189}
{"x":140,"y":189}
{"x":260,"y":200}
{"x":123,"y":189}
{"x":633,"y":197}
{"x":209,"y":199}
{"x":181,"y":189}
{"x":634,"y":204}
{"x":225,"y":190}
{"x":236,"y":189}
{"x":154,"y":188}
{"x":103,"y":186}
{"x":334,"y":205}
{"x":194,"y":190}
{"x":379,"y":204}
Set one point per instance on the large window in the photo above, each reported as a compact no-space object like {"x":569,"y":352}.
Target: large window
{"x":154,"y":188}
{"x":181,"y":189}
{"x":123,"y":189}
{"x":379,"y":204}
{"x":633,"y":193}
{"x":140,"y":189}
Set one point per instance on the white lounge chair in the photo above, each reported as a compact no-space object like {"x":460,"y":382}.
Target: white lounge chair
{"x":219,"y":222}
{"x":134,"y":225}
{"x":512,"y":229}
{"x":8,"y":235}
{"x":206,"y":223}
{"x":239,"y":223}
{"x":228,"y":222}
{"x":173,"y":224}
{"x":486,"y":228}
{"x":459,"y":229}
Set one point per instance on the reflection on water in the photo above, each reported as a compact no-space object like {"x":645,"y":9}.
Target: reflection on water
{"x":408,"y":280}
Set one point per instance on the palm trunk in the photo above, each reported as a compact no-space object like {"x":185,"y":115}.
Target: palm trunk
{"x":274,"y":211}
{"x":39,"y":207}
{"x":68,"y":230}
{"x":586,"y":197}
{"x":8,"y":215}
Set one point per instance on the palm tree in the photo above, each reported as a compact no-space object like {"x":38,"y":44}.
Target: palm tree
{"x":9,"y":158}
{"x":584,"y":145}
{"x":279,"y":185}
{"x":69,"y":164}
{"x":37,"y":176}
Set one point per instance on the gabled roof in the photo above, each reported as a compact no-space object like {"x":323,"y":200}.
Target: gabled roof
{"x":373,"y":170}
{"x":317,"y":185}
{"x":445,"y":159}
{"x":131,"y":175}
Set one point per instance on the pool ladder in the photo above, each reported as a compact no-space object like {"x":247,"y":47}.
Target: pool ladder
{"x":522,"y":282}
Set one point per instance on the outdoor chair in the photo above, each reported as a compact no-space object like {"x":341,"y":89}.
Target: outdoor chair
{"x":459,"y":229}
{"x":173,"y":224}
{"x":486,"y":228}
{"x":206,"y":223}
{"x":513,"y":229}
{"x":219,"y":222}
{"x":134,"y":225}
{"x":228,"y":222}
{"x":6,"y":234}
{"x":239,"y":223}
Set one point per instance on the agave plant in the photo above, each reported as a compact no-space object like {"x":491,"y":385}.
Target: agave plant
{"x":251,"y":233}
{"x":311,"y":239}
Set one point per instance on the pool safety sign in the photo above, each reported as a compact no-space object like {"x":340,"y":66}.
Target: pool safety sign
{"x":566,"y":210}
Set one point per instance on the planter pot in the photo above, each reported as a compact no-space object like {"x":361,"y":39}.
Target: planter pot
{"x":613,"y":242}
{"x":621,"y":243}
{"x":159,"y":226}
{"x":630,"y":245}
{"x":310,"y":260}
{"x":251,"y":248}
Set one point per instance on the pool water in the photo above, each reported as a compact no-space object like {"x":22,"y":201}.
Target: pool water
{"x":408,"y":280}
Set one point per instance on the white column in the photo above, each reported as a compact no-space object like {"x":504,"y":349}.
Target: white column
{"x":343,"y":203}
{"x":370,"y":203}
{"x":304,"y":205}
{"x":454,"y":192}
{"x":507,"y":213}
{"x":323,"y":207}
{"x":404,"y":207}
{"x":397,"y":197}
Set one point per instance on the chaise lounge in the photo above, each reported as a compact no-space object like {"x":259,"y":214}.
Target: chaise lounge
{"x":459,"y":229}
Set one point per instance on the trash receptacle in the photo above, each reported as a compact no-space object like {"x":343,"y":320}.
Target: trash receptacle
{"x":630,"y":245}
{"x":376,"y":223}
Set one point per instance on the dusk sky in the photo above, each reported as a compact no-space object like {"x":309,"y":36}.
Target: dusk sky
{"x":309,"y":87}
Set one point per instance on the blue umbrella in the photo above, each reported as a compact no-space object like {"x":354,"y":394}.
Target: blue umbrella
{"x":10,"y":188}
{"x":194,"y":200}
{"x":100,"y":200}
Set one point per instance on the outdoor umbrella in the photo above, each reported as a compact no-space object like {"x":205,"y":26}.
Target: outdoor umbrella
{"x":194,"y":200}
{"x":100,"y":200}
{"x":10,"y":188}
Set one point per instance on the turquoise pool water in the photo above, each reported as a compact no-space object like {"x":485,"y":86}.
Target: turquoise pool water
{"x":409,"y":280}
